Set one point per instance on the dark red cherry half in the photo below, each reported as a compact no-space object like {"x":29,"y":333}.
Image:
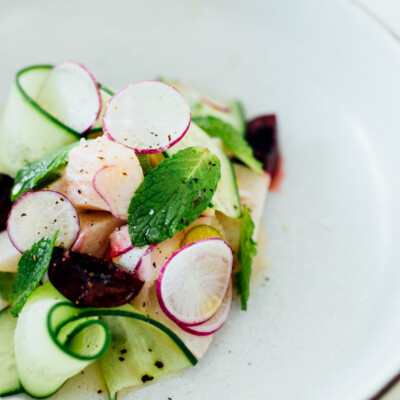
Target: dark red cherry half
{"x":90,"y":281}
{"x":6,"y":183}
{"x":262,"y":136}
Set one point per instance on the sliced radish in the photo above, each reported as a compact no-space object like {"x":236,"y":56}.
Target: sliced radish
{"x":148,"y":116}
{"x":217,"y":321}
{"x":72,"y":96}
{"x":196,"y":94}
{"x":120,"y":241}
{"x":146,"y":301}
{"x":132,"y":258}
{"x":116,"y":187}
{"x":39,"y":214}
{"x":193,"y":283}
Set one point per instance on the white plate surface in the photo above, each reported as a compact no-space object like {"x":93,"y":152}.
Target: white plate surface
{"x":327,"y":323}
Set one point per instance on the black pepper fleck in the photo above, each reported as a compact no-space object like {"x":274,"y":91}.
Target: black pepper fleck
{"x":147,"y":378}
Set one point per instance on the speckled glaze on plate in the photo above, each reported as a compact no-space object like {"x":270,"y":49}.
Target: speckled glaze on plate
{"x":326,"y":325}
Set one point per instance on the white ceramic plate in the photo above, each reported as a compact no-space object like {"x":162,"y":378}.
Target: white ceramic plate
{"x":327,"y":324}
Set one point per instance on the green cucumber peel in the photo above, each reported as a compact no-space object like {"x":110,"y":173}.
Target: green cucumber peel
{"x":38,"y":133}
{"x":40,"y":173}
{"x":9,"y":378}
{"x":246,"y":254}
{"x":232,"y":139}
{"x":31,"y":269}
{"x":6,"y":280}
{"x":34,"y":104}
{"x":54,"y":340}
{"x":144,"y":163}
{"x":173,"y":195}
{"x":105,"y":93}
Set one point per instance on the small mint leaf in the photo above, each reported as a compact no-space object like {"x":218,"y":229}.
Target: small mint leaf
{"x":31,"y":268}
{"x":6,"y":280}
{"x":173,"y":195}
{"x":38,"y":174}
{"x":247,"y":251}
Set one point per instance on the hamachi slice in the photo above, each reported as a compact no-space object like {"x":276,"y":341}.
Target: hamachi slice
{"x":86,"y":160}
{"x":9,"y":255}
{"x":253,"y":189}
{"x":94,"y":233}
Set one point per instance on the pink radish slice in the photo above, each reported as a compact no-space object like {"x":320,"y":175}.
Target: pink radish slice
{"x":120,"y":242}
{"x":39,"y":214}
{"x":148,"y":116}
{"x":213,"y":104}
{"x":71,"y":95}
{"x":209,"y":99}
{"x":116,"y":187}
{"x":132,"y":258}
{"x":193,"y":283}
{"x":217,"y":321}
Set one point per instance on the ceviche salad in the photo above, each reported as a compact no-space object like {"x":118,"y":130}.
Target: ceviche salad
{"x":128,"y":223}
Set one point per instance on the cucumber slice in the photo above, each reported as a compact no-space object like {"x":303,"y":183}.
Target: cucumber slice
{"x":226,"y":198}
{"x":141,"y":351}
{"x":45,"y":356}
{"x":9,"y":379}
{"x":27,"y":131}
{"x":203,"y":104}
{"x":54,"y":340}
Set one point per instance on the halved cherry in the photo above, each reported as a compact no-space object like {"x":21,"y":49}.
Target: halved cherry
{"x":90,"y":281}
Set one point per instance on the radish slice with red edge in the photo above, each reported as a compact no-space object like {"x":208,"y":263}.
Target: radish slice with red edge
{"x":131,"y":259}
{"x":148,"y":116}
{"x":202,"y":96}
{"x":120,"y":242}
{"x":116,"y":187}
{"x":39,"y":214}
{"x":71,"y":95}
{"x":194,"y":281}
{"x":217,"y":321}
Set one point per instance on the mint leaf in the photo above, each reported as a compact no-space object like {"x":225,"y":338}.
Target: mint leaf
{"x":6,"y":279}
{"x":31,"y":269}
{"x":232,"y":139}
{"x":247,"y":251}
{"x":38,"y":174}
{"x":173,"y":195}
